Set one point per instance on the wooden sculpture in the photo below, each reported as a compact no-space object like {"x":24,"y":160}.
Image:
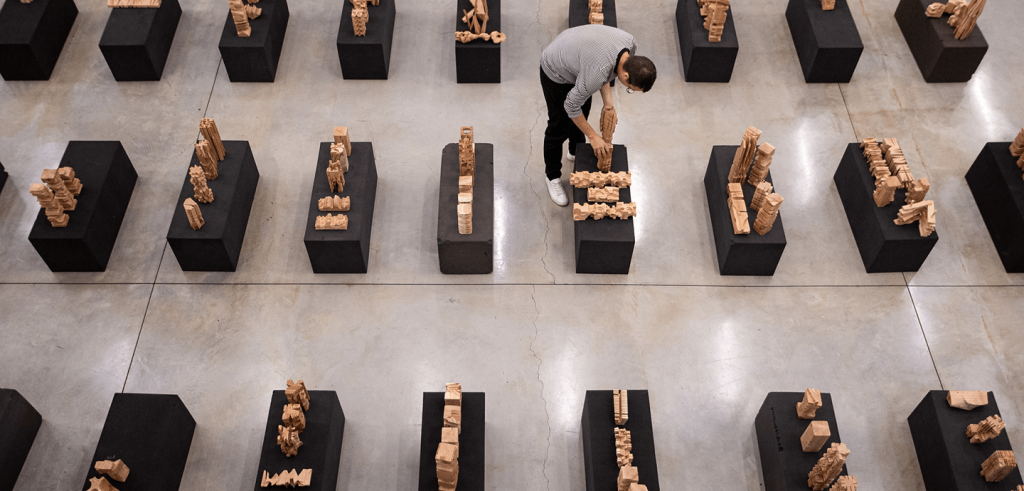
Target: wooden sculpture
{"x":334,"y":203}
{"x":288,"y":439}
{"x":845,"y":483}
{"x":26,"y":1}
{"x":600,"y":179}
{"x":207,"y":158}
{"x":923,"y":213}
{"x":628,"y":476}
{"x":129,"y":4}
{"x":58,"y":194}
{"x":828,"y":467}
{"x":744,"y":155}
{"x":1017,"y":147}
{"x":828,"y":4}
{"x":935,"y":10}
{"x":341,"y":137}
{"x":596,"y":12}
{"x":986,"y":430}
{"x":762,"y":190}
{"x":331,"y":222}
{"x":467,"y":152}
{"x":61,"y":192}
{"x":197,"y":176}
{"x":297,"y":394}
{"x":211,"y":149}
{"x":54,"y":211}
{"x":466,"y":184}
{"x":447,"y":456}
{"x":360,"y":16}
{"x":738,"y":209}
{"x":767,"y":214}
{"x":885,"y":191}
{"x":967,"y":399}
{"x":100,"y":484}
{"x":963,"y":15}
{"x":807,"y":408}
{"x":621,"y":401}
{"x":609,"y":120}
{"x":605,"y":195}
{"x":239,"y":14}
{"x":288,"y":479}
{"x":335,"y":176}
{"x":117,"y":470}
{"x":762,"y":161}
{"x":194,"y":214}
{"x":598,"y":211}
{"x":476,"y":18}
{"x":815,"y":436}
{"x":467,"y":172}
{"x":715,"y":13}
{"x":73,"y":185}
{"x":465,"y":213}
{"x":623,"y":447}
{"x":890,"y":170}
{"x":998,"y":465}
{"x":917,"y":190}
{"x":293,"y":417}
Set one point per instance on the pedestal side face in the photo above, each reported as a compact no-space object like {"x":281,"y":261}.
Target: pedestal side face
{"x":827,"y":42}
{"x":598,"y":426}
{"x":32,"y":36}
{"x":20,"y":422}
{"x":471,"y":441}
{"x":255,"y":58}
{"x":998,"y":189}
{"x":136,"y":42}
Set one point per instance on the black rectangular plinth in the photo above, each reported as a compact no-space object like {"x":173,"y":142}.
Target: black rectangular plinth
{"x":884,"y":246}
{"x":367,"y":57}
{"x":32,"y":35}
{"x":20,"y":423}
{"x":579,"y":13}
{"x":784,"y":464}
{"x":152,"y":434}
{"x":940,"y":56}
{"x":745,"y":255}
{"x":704,"y":61}
{"x":998,"y":188}
{"x":948,"y":459}
{"x":598,"y":423}
{"x":472,"y":253}
{"x":217,"y":245}
{"x":321,"y":441}
{"x":108,"y":179}
{"x":254,"y":59}
{"x":827,"y":41}
{"x":343,"y":251}
{"x":602,"y":246}
{"x":478,"y":61}
{"x":136,"y":42}
{"x":471,"y":441}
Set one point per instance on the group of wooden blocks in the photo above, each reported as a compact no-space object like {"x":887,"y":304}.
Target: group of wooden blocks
{"x":130,"y":4}
{"x":751,"y":164}
{"x":241,"y":13}
{"x":476,"y":18}
{"x":117,"y":470}
{"x":361,"y":15}
{"x":1017,"y":148}
{"x":998,"y":465}
{"x":814,"y":437}
{"x":963,"y":14}
{"x":341,"y":150}
{"x":57,"y":195}
{"x":597,"y":12}
{"x":828,"y":4}
{"x":629,"y":476}
{"x":467,"y":175}
{"x":715,"y":12}
{"x":294,"y":418}
{"x":209,"y":151}
{"x":603,"y":187}
{"x":447,"y":456}
{"x":889,"y":167}
{"x":288,"y":479}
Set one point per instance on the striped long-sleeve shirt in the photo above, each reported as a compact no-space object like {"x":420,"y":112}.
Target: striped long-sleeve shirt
{"x":585,"y":56}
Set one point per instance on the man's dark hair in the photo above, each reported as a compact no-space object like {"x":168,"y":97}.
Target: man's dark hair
{"x":642,"y":72}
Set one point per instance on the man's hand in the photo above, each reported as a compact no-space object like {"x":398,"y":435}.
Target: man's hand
{"x":601,"y":148}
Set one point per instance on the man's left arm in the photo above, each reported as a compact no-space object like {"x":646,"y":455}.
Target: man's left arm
{"x":609,"y":118}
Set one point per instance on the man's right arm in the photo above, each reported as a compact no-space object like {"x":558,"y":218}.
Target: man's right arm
{"x":574,"y":108}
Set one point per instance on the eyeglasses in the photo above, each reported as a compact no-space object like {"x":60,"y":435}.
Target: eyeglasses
{"x":629,"y":90}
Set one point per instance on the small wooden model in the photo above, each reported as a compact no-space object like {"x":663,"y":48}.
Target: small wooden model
{"x":194,"y":214}
{"x":890,"y":170}
{"x":745,"y":155}
{"x":360,"y":16}
{"x":334,"y":203}
{"x":845,"y":483}
{"x":986,"y":430}
{"x":100,"y":484}
{"x":828,"y":4}
{"x":288,"y":439}
{"x":738,"y":209}
{"x":715,"y":13}
{"x":967,"y":399}
{"x":963,"y":14}
{"x":751,"y":163}
{"x":609,"y":120}
{"x":621,"y":402}
{"x":605,"y":195}
{"x":1017,"y":148}
{"x":807,"y":408}
{"x":288,"y":479}
{"x":336,"y":176}
{"x":331,"y":222}
{"x":623,"y":447}
{"x":128,"y":4}
{"x":600,"y":179}
{"x":26,"y":1}
{"x":762,"y":161}
{"x":763,"y":189}
{"x":923,"y":213}
{"x":294,"y":417}
{"x":598,"y":211}
{"x":197,"y":176}
{"x":58,"y":194}
{"x":467,"y":175}
{"x":998,"y":465}
{"x":815,"y":436}
{"x":241,"y":14}
{"x":596,"y":12}
{"x":628,"y":476}
{"x":767,"y":214}
{"x":828,"y":467}
{"x":447,"y":456}
{"x":476,"y":19}
{"x":117,"y":470}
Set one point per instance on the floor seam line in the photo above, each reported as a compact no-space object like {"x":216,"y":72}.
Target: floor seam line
{"x":924,"y":335}
{"x":849,"y":115}
{"x":144,"y":315}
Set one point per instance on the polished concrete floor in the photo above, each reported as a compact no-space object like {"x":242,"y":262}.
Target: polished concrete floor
{"x":533,"y":335}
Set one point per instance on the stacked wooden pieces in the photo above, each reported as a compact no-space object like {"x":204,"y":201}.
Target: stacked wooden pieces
{"x":334,"y":203}
{"x":808,"y":407}
{"x":1017,"y":148}
{"x":209,"y":151}
{"x":986,"y":430}
{"x":828,"y":4}
{"x":57,"y":195}
{"x":621,"y":402}
{"x":293,"y":418}
{"x":609,"y":121}
{"x":1001,"y":462}
{"x":202,"y":191}
{"x":998,"y":465}
{"x":194,"y":214}
{"x":751,"y":163}
{"x":467,"y":174}
{"x":241,"y":13}
{"x":447,"y":456}
{"x":629,"y":476}
{"x":360,"y":16}
{"x":845,"y":483}
{"x":476,"y":19}
{"x":597,"y":12}
{"x":889,"y":167}
{"x":289,"y":479}
{"x":963,"y":15}
{"x":828,"y":467}
{"x":715,"y":13}
{"x":131,"y":4}
{"x":100,"y":484}
{"x":604,"y":186}
{"x":341,"y":150}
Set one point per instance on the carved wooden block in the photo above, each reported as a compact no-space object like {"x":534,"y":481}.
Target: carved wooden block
{"x":807,"y":408}
{"x":815,"y":436}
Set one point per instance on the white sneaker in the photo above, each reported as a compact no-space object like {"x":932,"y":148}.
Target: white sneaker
{"x":570,"y":157}
{"x":557,"y":193}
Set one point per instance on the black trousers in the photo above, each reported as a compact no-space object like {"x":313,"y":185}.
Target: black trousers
{"x":560,"y":125}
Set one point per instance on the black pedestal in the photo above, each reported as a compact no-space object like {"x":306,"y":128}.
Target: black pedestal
{"x":827,"y":41}
{"x":20,"y":422}
{"x":321,"y":441}
{"x":598,"y":423}
{"x":948,"y":459}
{"x":3,"y":176}
{"x":369,"y":56}
{"x":254,"y":59}
{"x":216,"y":246}
{"x":478,"y":61}
{"x":940,"y":56}
{"x":471,"y":441}
{"x":744,"y":255}
{"x":603,"y":246}
{"x":343,"y":251}
{"x":579,"y":13}
{"x":108,"y":180}
{"x":152,"y":434}
{"x":704,"y":61}
{"x":136,"y":42}
{"x":32,"y":36}
{"x":884,"y":246}
{"x":472,"y":253}
{"x":784,"y":464}
{"x":998,"y":188}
